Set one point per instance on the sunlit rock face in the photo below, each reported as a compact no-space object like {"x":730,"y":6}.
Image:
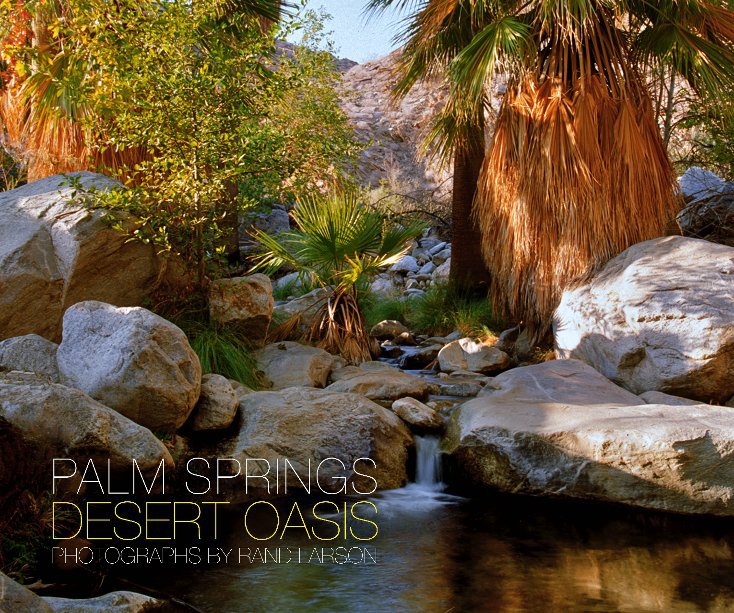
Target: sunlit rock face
{"x":562,"y":429}
{"x":659,"y":317}
{"x":55,"y":252}
{"x":131,"y":360}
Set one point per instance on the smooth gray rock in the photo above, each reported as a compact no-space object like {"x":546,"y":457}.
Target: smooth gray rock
{"x":290,"y":364}
{"x":64,"y":420}
{"x":30,"y":353}
{"x":16,"y":598}
{"x":217,"y":406}
{"x":388,"y":330}
{"x":132,"y":361}
{"x":405,"y":265}
{"x":55,"y":253}
{"x":471,"y":355}
{"x":561,"y":429}
{"x":419,"y":416}
{"x":658,"y":317}
{"x":310,"y":425}
{"x":377,"y":383}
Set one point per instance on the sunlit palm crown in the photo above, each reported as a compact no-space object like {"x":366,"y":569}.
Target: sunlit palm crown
{"x":576,"y":171}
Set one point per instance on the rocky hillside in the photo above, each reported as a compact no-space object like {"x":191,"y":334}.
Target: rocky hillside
{"x":395,"y":130}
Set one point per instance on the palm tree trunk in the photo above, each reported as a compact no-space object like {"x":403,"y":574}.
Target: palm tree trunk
{"x":467,"y":264}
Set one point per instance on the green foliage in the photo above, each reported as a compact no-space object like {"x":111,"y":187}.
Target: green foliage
{"x":196,"y":108}
{"x":713,"y":125}
{"x":12,"y":169}
{"x":337,"y":241}
{"x":442,"y":309}
{"x":223,"y":352}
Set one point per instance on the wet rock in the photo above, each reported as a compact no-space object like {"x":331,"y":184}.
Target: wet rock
{"x":658,"y":317}
{"x":468,"y":354}
{"x":290,"y":364}
{"x":561,"y":429}
{"x":245,"y":303}
{"x":30,"y":353}
{"x":131,"y":360}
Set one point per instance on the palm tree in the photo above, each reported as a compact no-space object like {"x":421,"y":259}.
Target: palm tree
{"x":428,"y":52}
{"x":577,"y":170}
{"x":338,"y":244}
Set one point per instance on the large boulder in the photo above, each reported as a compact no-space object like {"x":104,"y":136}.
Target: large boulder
{"x":217,"y":406}
{"x":378,"y":381}
{"x":388,"y":330}
{"x":15,"y":597}
{"x":290,"y":364}
{"x":30,"y":353}
{"x":660,"y":316}
{"x":474,"y":356}
{"x":562,"y":429}
{"x":306,"y":425}
{"x":59,"y":419}
{"x":244,"y":302}
{"x":132,"y":361}
{"x":55,"y":253}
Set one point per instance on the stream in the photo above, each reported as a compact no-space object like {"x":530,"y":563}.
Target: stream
{"x":437,"y":551}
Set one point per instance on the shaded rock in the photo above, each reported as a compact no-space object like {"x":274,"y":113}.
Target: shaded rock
{"x":290,"y":364}
{"x":419,"y":416}
{"x":115,"y":602}
{"x":388,"y":350}
{"x":420,"y":358}
{"x":244,"y":302}
{"x":379,"y":383}
{"x":709,"y":210}
{"x":217,"y":406}
{"x":662,"y":398}
{"x":507,"y":339}
{"x":660,"y":316}
{"x":458,"y":388}
{"x":30,"y":353}
{"x":406,"y":264}
{"x":468,"y":354}
{"x":130,"y":360}
{"x":442,"y":256}
{"x":15,"y":597}
{"x":382,"y":287}
{"x":306,"y":307}
{"x":272,"y":221}
{"x":64,"y":420}
{"x":305,"y":425}
{"x":54,"y":253}
{"x":388,"y":330}
{"x":562,"y":429}
{"x":442,"y":272}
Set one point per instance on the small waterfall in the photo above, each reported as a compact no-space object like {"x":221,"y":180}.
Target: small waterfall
{"x":428,"y":462}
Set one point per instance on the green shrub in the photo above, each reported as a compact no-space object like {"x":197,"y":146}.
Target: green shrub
{"x":223,"y":352}
{"x":442,"y":309}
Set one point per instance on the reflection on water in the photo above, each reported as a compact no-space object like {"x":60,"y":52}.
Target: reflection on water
{"x":438,"y":552}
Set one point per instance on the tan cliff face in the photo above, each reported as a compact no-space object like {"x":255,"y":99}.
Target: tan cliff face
{"x":395,"y":130}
